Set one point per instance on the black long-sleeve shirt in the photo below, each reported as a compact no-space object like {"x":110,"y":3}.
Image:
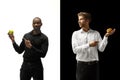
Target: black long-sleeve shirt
{"x":39,"y":47}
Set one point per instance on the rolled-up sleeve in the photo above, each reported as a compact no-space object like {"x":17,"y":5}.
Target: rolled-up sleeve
{"x":102,"y":44}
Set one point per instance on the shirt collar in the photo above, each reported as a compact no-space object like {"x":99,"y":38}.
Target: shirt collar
{"x":82,"y":31}
{"x":35,"y":34}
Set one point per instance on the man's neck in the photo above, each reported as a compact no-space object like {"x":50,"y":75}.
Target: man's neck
{"x":86,"y":28}
{"x":35,"y":33}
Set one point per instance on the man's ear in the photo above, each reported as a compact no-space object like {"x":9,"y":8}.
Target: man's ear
{"x":88,"y":21}
{"x":41,"y":24}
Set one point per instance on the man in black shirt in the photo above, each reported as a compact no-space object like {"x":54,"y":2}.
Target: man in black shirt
{"x":35,"y":46}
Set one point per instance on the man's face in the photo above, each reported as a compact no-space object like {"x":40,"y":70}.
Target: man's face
{"x":36,"y":23}
{"x":82,"y":21}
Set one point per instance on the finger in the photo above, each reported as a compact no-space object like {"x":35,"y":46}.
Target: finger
{"x":114,"y":30}
{"x":96,"y":41}
{"x":24,"y":39}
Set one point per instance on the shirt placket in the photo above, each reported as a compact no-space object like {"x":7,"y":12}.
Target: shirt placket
{"x":86,"y":41}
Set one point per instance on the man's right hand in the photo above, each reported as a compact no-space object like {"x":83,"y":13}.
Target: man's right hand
{"x":93,"y":43}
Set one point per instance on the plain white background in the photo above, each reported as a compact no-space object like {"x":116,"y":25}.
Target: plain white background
{"x":18,"y":15}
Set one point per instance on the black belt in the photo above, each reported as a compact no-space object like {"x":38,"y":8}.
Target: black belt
{"x":88,"y":63}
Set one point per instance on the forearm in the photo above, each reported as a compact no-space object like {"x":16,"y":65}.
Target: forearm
{"x":79,"y":49}
{"x":40,"y":52}
{"x":103,"y":44}
{"x":18,"y":48}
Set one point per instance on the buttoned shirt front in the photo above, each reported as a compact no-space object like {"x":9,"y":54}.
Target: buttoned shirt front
{"x":81,"y":47}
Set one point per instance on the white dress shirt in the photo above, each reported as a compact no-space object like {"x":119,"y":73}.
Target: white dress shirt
{"x":80,"y":45}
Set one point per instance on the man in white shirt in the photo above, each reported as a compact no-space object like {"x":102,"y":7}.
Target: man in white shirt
{"x":85,"y":44}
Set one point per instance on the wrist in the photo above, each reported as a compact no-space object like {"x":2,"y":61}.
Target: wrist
{"x":107,"y":34}
{"x":13,"y":41}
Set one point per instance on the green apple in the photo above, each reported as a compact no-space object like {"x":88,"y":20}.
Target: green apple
{"x":11,"y":32}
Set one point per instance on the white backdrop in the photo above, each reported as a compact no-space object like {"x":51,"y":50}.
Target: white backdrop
{"x":18,"y":15}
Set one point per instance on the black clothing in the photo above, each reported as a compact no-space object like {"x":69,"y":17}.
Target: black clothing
{"x":31,"y":71}
{"x":31,"y":56}
{"x":87,"y":70}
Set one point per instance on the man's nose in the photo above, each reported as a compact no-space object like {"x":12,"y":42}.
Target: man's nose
{"x":78,"y":21}
{"x":35,"y":24}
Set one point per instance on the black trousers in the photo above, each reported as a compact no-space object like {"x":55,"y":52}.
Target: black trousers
{"x":31,"y":70}
{"x":87,"y":70}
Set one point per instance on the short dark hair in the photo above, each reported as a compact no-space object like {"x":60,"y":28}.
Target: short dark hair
{"x":86,"y":15}
{"x":37,"y":18}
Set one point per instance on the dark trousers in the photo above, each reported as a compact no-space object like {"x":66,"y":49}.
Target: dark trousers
{"x":29,"y":71}
{"x":87,"y":71}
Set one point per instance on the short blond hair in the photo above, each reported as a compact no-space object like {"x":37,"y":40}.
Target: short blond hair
{"x":86,"y":15}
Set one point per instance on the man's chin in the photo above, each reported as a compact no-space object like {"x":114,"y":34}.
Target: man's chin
{"x":81,"y":27}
